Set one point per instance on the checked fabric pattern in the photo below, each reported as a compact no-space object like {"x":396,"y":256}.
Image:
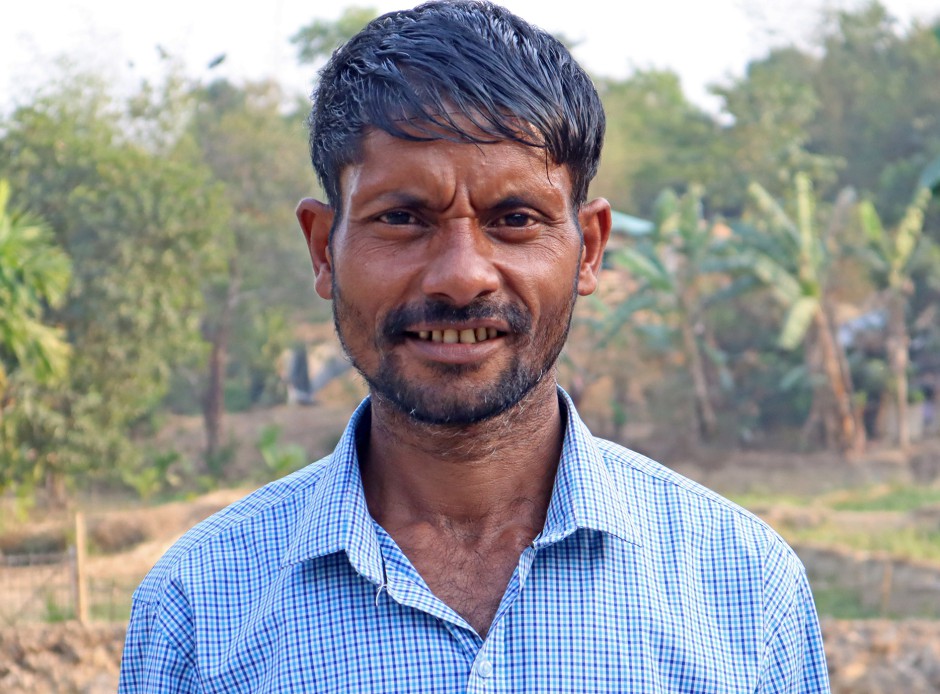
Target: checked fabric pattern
{"x":641,"y":581}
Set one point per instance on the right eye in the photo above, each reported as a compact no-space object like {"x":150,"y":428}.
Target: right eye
{"x":398,"y":218}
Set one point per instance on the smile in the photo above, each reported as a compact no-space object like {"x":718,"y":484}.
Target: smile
{"x":452,"y":336}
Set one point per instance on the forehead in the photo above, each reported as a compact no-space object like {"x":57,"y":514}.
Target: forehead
{"x":447,"y":168}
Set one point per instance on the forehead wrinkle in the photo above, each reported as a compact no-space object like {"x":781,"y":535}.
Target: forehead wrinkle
{"x":425,"y":172}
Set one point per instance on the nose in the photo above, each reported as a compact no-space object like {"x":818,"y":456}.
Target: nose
{"x":460,"y":267}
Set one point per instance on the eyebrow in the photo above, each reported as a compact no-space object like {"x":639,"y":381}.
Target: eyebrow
{"x":512,"y":202}
{"x":411,"y":201}
{"x":401,"y":199}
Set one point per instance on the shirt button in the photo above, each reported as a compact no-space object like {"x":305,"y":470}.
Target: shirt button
{"x":485,"y":669}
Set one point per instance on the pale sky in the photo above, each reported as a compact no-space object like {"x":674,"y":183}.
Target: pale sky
{"x":705,"y":41}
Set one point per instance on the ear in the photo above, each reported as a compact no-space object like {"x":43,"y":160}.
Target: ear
{"x":594,"y":218}
{"x":316,"y":220}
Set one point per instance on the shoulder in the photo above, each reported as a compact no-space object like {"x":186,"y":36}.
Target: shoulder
{"x":261,"y":524}
{"x":669,"y":508}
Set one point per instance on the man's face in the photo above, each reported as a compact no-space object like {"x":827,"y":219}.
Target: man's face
{"x":453,"y":272}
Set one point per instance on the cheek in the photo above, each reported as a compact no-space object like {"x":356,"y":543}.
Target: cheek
{"x":545,"y":273}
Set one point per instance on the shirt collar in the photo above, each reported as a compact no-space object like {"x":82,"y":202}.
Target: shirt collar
{"x":336,"y":517}
{"x":585,"y":494}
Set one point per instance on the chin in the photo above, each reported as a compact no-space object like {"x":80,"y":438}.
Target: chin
{"x":459,"y":406}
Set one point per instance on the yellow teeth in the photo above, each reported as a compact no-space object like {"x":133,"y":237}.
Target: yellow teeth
{"x":451,"y":336}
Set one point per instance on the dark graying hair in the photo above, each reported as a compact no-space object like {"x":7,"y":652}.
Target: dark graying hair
{"x":466,"y":71}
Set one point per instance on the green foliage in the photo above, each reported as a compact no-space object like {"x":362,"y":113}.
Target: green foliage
{"x":879,"y":103}
{"x":892,"y":498}
{"x":34,"y":275}
{"x":134,"y":216}
{"x":34,"y":278}
{"x":318,"y":40}
{"x":279,"y":458}
{"x":216,"y":463}
{"x":672,"y":268}
{"x":154,"y":475}
{"x":257,"y":157}
{"x":788,"y":252}
{"x":655,"y":139}
{"x":55,"y":612}
{"x":771,"y":109}
{"x":167,"y":237}
{"x":843,"y":603}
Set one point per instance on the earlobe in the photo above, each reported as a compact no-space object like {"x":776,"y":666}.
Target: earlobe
{"x":595,"y":220}
{"x":316,"y":221}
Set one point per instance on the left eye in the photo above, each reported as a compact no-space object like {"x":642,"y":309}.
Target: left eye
{"x":517,"y":219}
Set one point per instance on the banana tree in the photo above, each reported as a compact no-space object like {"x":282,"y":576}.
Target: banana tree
{"x":789,"y":256}
{"x":888,"y":255}
{"x":668,"y":266}
{"x":33,"y":274}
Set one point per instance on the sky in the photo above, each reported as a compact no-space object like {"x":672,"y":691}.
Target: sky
{"x":704,"y":41}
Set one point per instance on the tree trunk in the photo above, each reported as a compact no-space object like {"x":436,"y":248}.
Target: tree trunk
{"x":839,"y":384}
{"x":213,"y":406}
{"x":898,"y":345}
{"x":706,"y":421}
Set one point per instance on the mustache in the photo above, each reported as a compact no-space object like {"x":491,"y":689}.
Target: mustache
{"x":437,"y":311}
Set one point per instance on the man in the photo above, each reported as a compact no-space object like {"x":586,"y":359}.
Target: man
{"x":468,"y":533}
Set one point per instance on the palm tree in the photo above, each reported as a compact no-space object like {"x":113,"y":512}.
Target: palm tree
{"x":887,"y":255}
{"x":789,"y":256}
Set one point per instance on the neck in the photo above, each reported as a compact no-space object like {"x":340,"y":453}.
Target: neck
{"x":479,"y":476}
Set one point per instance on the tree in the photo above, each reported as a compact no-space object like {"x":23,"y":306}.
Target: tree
{"x":655,"y":139}
{"x":768,"y":139}
{"x":879,"y":100}
{"x":888,"y":258}
{"x":789,"y":254}
{"x":317,"y":41}
{"x":126,"y":198}
{"x":258,"y":157}
{"x":670,"y":267}
{"x":34,"y":276}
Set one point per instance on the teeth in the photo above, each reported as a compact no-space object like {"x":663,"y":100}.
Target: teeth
{"x":452,"y":336}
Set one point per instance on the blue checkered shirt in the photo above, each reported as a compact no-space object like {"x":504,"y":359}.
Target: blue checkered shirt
{"x":640,"y":581}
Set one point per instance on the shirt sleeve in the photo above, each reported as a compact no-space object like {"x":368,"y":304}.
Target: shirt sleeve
{"x":153,"y":660}
{"x":794,"y":660}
